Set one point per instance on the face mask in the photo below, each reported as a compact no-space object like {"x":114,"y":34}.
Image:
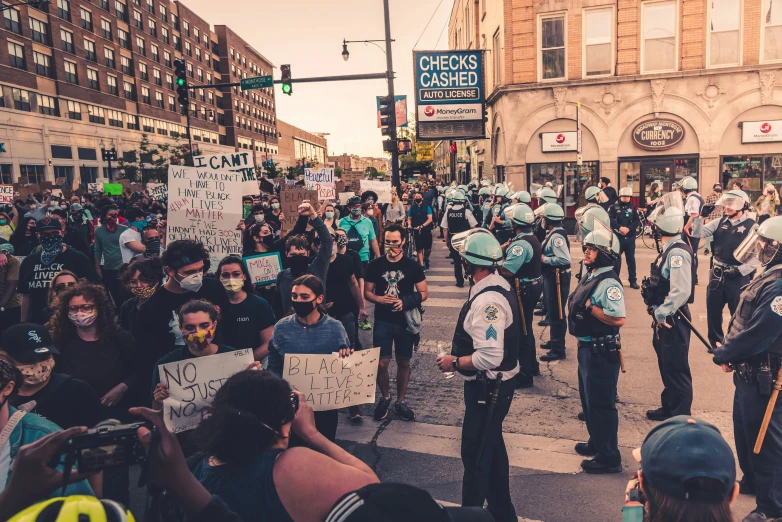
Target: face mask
{"x":370,"y":201}
{"x":717,"y":190}
{"x":143,"y":292}
{"x":303,"y":308}
{"x":111,"y":223}
{"x":329,"y":215}
{"x":265,"y":205}
{"x":3,"y":222}
{"x":192,"y":283}
{"x":246,"y":211}
{"x":259,"y":218}
{"x":200,"y":340}
{"x":268,"y":240}
{"x":298,"y":264}
{"x":37,"y":373}
{"x":342,"y":240}
{"x":51,"y":245}
{"x":153,"y":248}
{"x":233,"y":286}
{"x":370,"y":212}
{"x":275,"y":206}
{"x":419,"y":201}
{"x":140,"y":225}
{"x":355,"y":211}
{"x":83,"y":319}
{"x":392,"y":249}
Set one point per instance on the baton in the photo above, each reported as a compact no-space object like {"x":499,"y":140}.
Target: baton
{"x":772,"y":401}
{"x":559,"y":294}
{"x":696,"y":332}
{"x":495,"y":392}
{"x":521,"y":308}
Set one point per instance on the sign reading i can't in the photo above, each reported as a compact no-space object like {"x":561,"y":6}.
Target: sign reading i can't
{"x":658,"y":134}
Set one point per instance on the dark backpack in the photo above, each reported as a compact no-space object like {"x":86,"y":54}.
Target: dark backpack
{"x":355,"y":241}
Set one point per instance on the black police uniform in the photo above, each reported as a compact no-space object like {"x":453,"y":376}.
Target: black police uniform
{"x":753,"y":346}
{"x":529,"y":286}
{"x":457,"y":222}
{"x":625,"y":215}
{"x":423,"y":237}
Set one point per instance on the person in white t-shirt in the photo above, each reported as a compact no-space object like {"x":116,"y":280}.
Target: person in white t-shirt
{"x":693,"y":202}
{"x":130,"y":243}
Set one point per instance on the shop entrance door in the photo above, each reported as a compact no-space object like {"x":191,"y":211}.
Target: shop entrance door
{"x":656,"y":172}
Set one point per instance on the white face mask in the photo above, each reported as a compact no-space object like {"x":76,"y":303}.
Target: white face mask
{"x":193,"y":282}
{"x":370,"y":212}
{"x":259,"y":218}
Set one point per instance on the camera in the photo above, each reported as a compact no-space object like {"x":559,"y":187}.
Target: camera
{"x":108,"y":445}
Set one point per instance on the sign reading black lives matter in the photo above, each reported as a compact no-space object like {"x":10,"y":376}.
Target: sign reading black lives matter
{"x":449,"y":95}
{"x":658,"y":134}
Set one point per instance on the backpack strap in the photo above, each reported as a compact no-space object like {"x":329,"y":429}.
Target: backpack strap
{"x":10,"y":426}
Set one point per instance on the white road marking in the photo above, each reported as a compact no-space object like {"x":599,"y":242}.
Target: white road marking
{"x":448,"y":289}
{"x":446,"y":270}
{"x":442,"y":302}
{"x":442,"y":279}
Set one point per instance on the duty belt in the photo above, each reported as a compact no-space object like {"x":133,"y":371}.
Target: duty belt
{"x":760,"y":372}
{"x":530,"y":282}
{"x":605,"y":346}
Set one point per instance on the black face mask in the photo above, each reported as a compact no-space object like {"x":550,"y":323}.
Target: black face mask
{"x":153,"y":247}
{"x":268,"y":240}
{"x":303,"y":308}
{"x":298,"y":264}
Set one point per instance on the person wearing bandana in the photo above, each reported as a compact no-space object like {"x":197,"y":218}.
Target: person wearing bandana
{"x":38,"y":268}
{"x":150,"y":237}
{"x":108,"y":257}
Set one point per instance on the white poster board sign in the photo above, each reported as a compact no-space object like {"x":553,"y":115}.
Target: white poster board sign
{"x":157,"y":190}
{"x":193,"y":383}
{"x":321,"y":180}
{"x":94,"y":188}
{"x":241,"y":162}
{"x":264,"y":268}
{"x":330,"y":382}
{"x":205,"y":205}
{"x":345,"y":196}
{"x":7,"y":194}
{"x":381,"y":188}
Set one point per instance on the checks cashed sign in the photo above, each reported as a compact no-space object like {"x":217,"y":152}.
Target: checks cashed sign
{"x":767,"y":131}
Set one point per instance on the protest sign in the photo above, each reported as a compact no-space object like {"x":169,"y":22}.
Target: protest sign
{"x":112,"y":189}
{"x":241,"y":162}
{"x":157,"y":190}
{"x":57,"y":193}
{"x":264,"y":268}
{"x":60,"y":181}
{"x":193,"y":383}
{"x":94,"y":188}
{"x":267,"y":186}
{"x":7,"y":194}
{"x":321,"y":180}
{"x":345,"y":196}
{"x":290,"y":199}
{"x":25,"y":191}
{"x":125,"y":184}
{"x":206,"y":205}
{"x":330,"y":382}
{"x":381,"y":188}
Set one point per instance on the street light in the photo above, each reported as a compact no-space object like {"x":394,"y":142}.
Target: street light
{"x":345,"y":53}
{"x":108,"y":154}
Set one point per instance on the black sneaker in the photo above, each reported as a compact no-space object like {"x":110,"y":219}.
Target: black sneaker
{"x":586,"y":449}
{"x":403,"y":411}
{"x":523,"y":381}
{"x":596,"y":467}
{"x":381,"y":410}
{"x":539,"y":312}
{"x":459,"y":285}
{"x":552,"y":355}
{"x":660,"y":414}
{"x":634,"y":285}
{"x":546,"y":345}
{"x":544,"y":322}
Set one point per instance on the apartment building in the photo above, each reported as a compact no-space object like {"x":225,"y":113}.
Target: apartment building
{"x":662,"y":89}
{"x":297,"y":145}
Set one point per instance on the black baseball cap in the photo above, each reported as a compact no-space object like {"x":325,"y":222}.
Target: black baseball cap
{"x":26,"y":342}
{"x":393,"y":502}
{"x":683,"y":448}
{"x":48,"y":223}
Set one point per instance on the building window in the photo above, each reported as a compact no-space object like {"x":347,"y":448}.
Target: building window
{"x":772,"y":31}
{"x":11,"y":18}
{"x":186,"y":27}
{"x":132,"y":121}
{"x":170,"y":82}
{"x":145,"y":95}
{"x":211,"y":98}
{"x":89,"y":51}
{"x":143,"y":71}
{"x":74,"y":110}
{"x":147,"y":125}
{"x":158,"y":79}
{"x":164,"y":35}
{"x":497,"y":58}
{"x":724,"y":32}
{"x":115,"y":118}
{"x":66,"y":37}
{"x":159,"y":99}
{"x":552,"y":47}
{"x":200,"y":76}
{"x":171,"y":104}
{"x":129,"y":91}
{"x":190,"y":70}
{"x":48,"y":105}
{"x":16,"y":56}
{"x":140,"y":48}
{"x":201,"y":95}
{"x":188,"y":49}
{"x":39,"y":31}
{"x":42,"y":64}
{"x":71,"y":76}
{"x":92,"y":79}
{"x":32,"y":173}
{"x":122,"y":10}
{"x":88,"y":175}
{"x":111,"y":81}
{"x":598,"y":42}
{"x":163,"y":13}
{"x":109,"y":55}
{"x":155,"y":52}
{"x":96,"y":114}
{"x":124,"y":39}
{"x":64,"y":9}
{"x":127,"y":65}
{"x":152,"y":27}
{"x":209,"y":78}
{"x":21,"y":99}
{"x":167,"y":58}
{"x":150,"y":7}
{"x":207,"y":60}
{"x":137,"y":20}
{"x":198,"y":54}
{"x":86,"y":19}
{"x":161,"y":127}
{"x":104,"y":4}
{"x":63,"y":171}
{"x":177,"y":43}
{"x":658,"y":42}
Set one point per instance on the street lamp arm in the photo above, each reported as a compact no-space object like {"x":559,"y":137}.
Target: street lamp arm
{"x":365,"y":42}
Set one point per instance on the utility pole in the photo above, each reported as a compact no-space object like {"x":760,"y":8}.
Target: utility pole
{"x":390,"y":72}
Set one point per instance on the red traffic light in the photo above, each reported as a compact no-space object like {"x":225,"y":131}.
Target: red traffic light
{"x":453,"y":147}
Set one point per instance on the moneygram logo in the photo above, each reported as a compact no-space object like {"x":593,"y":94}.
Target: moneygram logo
{"x":560,"y":138}
{"x":450,"y":112}
{"x":765,"y":128}
{"x":429,"y":111}
{"x":454,"y":112}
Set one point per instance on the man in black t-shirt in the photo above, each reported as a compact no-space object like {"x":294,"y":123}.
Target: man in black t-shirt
{"x":396,"y":284}
{"x":38,"y":269}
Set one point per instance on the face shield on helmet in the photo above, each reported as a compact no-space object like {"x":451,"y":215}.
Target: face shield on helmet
{"x":668,"y":217}
{"x":459,"y":240}
{"x":733,"y":201}
{"x":764,"y":240}
{"x":586,"y":218}
{"x":603,"y":240}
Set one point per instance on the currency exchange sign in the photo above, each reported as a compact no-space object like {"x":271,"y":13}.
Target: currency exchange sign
{"x":449,"y":95}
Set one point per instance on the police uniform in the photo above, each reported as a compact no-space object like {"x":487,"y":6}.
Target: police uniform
{"x":669,"y":291}
{"x":625,"y":215}
{"x":727,"y":276}
{"x":598,"y":359}
{"x":487,"y":330}
{"x":523,"y":260}
{"x":556,"y":252}
{"x":692,"y":205}
{"x":753,"y":346}
{"x":501,"y":232}
{"x":457,"y":219}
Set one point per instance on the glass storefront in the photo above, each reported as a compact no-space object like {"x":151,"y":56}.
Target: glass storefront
{"x":643,"y":174}
{"x":753,"y":172}
{"x":569,"y":181}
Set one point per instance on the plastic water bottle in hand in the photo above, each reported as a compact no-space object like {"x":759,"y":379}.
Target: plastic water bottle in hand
{"x":443,"y":349}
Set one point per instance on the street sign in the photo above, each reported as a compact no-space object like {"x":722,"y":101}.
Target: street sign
{"x":257,"y":82}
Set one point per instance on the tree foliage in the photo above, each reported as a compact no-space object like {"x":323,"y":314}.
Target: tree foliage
{"x":149,"y":162}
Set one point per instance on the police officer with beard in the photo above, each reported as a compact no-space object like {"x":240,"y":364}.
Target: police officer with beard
{"x":727,"y":276}
{"x":625,"y":221}
{"x":596,"y":311}
{"x":556,"y":280}
{"x":457,"y":219}
{"x":753,"y":351}
{"x":667,"y":292}
{"x":485,"y":346}
{"x":522,"y":267}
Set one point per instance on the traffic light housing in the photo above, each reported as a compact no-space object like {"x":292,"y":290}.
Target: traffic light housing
{"x":453,"y":147}
{"x":386,"y":110}
{"x":405,"y":146}
{"x":181,"y":84}
{"x":285,"y":76}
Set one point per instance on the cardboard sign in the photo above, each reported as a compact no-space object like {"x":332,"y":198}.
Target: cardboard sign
{"x":330,"y":382}
{"x":264,"y":268}
{"x":290,"y":199}
{"x":60,"y":181}
{"x":193,"y":383}
{"x":206,"y":205}
{"x":321,"y":180}
{"x":381,"y":188}
{"x":157,"y":190}
{"x":25,"y":191}
{"x":57,"y":193}
{"x":112,"y":189}
{"x":267,"y":186}
{"x":242,"y":162}
{"x":125,"y":184}
{"x":137,"y":187}
{"x":7,"y":194}
{"x":345,"y":196}
{"x":94,"y":188}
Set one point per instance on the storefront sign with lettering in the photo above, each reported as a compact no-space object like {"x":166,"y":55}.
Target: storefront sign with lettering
{"x":767,"y":131}
{"x":658,"y":134}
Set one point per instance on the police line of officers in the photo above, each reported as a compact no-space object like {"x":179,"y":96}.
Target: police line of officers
{"x":516,"y":255}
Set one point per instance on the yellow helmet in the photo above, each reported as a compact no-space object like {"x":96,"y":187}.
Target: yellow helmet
{"x":76,"y":508}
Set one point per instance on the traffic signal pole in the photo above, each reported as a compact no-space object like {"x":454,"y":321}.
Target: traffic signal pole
{"x":395,"y":182}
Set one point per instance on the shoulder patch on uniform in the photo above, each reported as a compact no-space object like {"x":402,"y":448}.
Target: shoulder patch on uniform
{"x":614,"y":293}
{"x":491,"y":314}
{"x":676,"y":261}
{"x":516,"y":250}
{"x":491,"y":333}
{"x":558,"y":242}
{"x":776,"y":305}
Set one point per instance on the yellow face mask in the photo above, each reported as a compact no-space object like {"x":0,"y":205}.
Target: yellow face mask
{"x":200,"y":340}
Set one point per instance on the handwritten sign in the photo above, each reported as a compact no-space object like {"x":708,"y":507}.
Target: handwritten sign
{"x":7,"y":194}
{"x":193,"y":383}
{"x":94,"y":188}
{"x":157,"y":190}
{"x":290,"y":199}
{"x":264,"y":268}
{"x":381,"y":188}
{"x":242,"y":162}
{"x":330,"y":382}
{"x":321,"y":180}
{"x":112,"y":189}
{"x":205,"y":205}
{"x":345,"y":196}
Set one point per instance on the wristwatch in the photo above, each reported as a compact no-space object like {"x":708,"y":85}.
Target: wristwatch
{"x":456,"y":363}
{"x":589,"y":308}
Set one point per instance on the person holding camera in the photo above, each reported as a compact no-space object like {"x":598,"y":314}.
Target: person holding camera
{"x":767,"y":203}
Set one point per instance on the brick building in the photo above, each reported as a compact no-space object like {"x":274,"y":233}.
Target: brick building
{"x":667,"y":88}
{"x":297,"y":145}
{"x":77,"y":76}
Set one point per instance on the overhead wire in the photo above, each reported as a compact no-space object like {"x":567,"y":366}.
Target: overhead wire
{"x":427,"y":24}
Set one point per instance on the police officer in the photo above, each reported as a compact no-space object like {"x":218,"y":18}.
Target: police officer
{"x":596,"y":311}
{"x":585,"y":223}
{"x":485,"y":344}
{"x":693,"y":202}
{"x":753,"y":350}
{"x":522,"y":267}
{"x":666,"y":293}
{"x":522,"y":196}
{"x":592,"y":196}
{"x":457,"y":219}
{"x":544,"y":195}
{"x":624,"y":222}
{"x":485,"y":202}
{"x":556,"y":280}
{"x":727,"y":276}
{"x":496,"y":220}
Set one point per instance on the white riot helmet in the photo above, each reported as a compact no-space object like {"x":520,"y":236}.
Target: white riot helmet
{"x":764,"y":240}
{"x":522,"y":215}
{"x":605,"y":242}
{"x":626,"y":191}
{"x":736,"y":200}
{"x":586,"y":217}
{"x":668,"y":218}
{"x":522,"y":196}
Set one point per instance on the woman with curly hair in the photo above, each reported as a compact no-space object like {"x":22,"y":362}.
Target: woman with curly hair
{"x":142,"y":277}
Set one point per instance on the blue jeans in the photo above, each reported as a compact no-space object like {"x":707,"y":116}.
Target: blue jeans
{"x":393,"y":340}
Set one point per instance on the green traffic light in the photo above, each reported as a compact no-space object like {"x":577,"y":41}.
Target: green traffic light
{"x":286,"y":88}
{"x":180,"y":81}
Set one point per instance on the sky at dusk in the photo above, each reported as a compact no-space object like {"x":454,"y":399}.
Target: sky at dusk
{"x":307,"y":34}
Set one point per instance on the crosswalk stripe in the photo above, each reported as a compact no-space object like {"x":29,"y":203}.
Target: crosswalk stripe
{"x":441,"y":269}
{"x":442,"y":302}
{"x":447,"y":289}
{"x":441,"y":279}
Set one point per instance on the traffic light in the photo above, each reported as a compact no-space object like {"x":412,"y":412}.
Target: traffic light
{"x":386,"y":110}
{"x":453,"y":147}
{"x":181,"y":84}
{"x":405,"y":146}
{"x":287,"y":83}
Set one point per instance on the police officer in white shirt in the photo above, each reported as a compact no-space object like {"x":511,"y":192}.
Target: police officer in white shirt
{"x":693,"y":202}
